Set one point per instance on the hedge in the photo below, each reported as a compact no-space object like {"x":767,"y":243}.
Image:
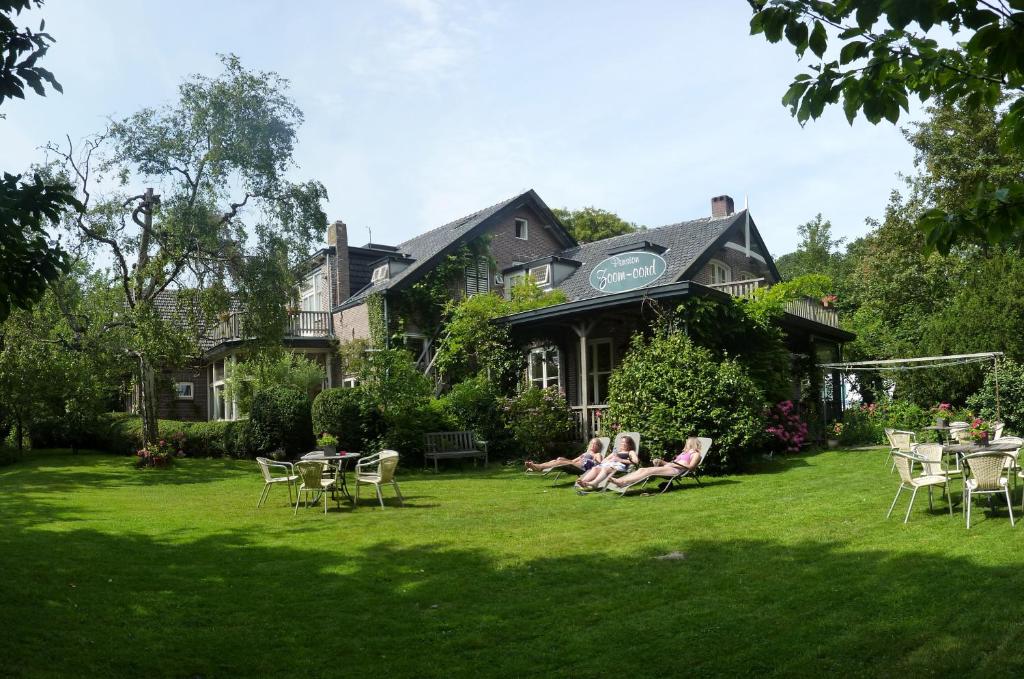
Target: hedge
{"x":281,"y":421}
{"x":121,"y":433}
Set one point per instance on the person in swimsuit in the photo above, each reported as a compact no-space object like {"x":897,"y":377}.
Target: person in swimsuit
{"x":612,"y":463}
{"x":688,"y":459}
{"x":588,"y":459}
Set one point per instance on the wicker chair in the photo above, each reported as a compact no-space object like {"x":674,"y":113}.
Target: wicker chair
{"x":958,"y":431}
{"x":932,"y":462}
{"x":984,"y":476}
{"x":266,"y":468}
{"x":908,"y":481}
{"x":376,"y":470}
{"x":311,"y":475}
{"x":900,"y":441}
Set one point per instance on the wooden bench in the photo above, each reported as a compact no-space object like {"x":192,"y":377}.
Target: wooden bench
{"x":449,"y":445}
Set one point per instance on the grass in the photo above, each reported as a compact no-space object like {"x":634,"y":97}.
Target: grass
{"x":792,"y":570}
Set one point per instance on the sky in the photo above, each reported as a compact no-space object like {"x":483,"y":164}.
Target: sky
{"x":420,"y":111}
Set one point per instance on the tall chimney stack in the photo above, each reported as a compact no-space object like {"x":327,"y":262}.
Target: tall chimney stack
{"x":337,"y":235}
{"x":722,"y":206}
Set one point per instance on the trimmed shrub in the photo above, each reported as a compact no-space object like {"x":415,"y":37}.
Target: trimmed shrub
{"x":667,"y":388}
{"x":539,"y":419}
{"x":121,"y":433}
{"x":281,"y":420}
{"x":348,"y":415}
{"x":475,"y":405}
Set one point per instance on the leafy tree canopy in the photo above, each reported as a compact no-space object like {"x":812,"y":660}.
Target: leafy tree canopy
{"x":885,"y":55}
{"x":590,"y":223}
{"x":816,"y":252}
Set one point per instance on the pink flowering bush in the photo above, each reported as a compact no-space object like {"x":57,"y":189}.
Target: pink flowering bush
{"x":539,"y":419}
{"x":159,"y":454}
{"x":787,"y":429}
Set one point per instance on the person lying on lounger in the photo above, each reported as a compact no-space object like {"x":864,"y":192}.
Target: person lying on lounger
{"x":614,"y":462}
{"x":688,"y":459}
{"x":590,"y":457}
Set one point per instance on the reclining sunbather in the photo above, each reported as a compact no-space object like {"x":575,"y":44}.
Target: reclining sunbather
{"x":590,"y":457}
{"x":614,"y":462}
{"x":688,"y":459}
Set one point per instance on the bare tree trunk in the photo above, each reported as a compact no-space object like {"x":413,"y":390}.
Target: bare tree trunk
{"x":148,"y":401}
{"x":19,"y":432}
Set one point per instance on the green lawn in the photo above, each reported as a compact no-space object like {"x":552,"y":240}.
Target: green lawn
{"x":108,"y":571}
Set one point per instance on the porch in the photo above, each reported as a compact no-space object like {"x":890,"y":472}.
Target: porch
{"x":805,"y":307}
{"x":301,"y":324}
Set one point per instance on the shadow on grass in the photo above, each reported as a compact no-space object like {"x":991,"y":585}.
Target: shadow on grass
{"x":82,"y":602}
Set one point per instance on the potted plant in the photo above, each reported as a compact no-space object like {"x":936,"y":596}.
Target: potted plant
{"x":943,"y":411}
{"x":835,"y":430}
{"x":979,"y":431}
{"x":328,"y":443}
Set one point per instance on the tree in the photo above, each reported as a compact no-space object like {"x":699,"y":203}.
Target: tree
{"x":817,"y":252}
{"x":878,"y":67}
{"x":28,"y":260}
{"x":590,"y":223}
{"x":226,"y":213}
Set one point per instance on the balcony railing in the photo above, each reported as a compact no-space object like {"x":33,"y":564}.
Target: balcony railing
{"x":300,"y":324}
{"x":805,"y":307}
{"x":587,"y":421}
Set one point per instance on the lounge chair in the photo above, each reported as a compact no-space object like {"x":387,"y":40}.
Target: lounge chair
{"x":576,"y":469}
{"x":670,"y":478}
{"x":615,"y":446}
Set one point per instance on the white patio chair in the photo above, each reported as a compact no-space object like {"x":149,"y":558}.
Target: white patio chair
{"x":932,"y":462}
{"x":1014,"y":466}
{"x":997,"y":430}
{"x":266,"y":467}
{"x":984,"y":476}
{"x":900,"y":441}
{"x":913,"y":483}
{"x":312,"y":476}
{"x":376,"y":470}
{"x":958,"y":431}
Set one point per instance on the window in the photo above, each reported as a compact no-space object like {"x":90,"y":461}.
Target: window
{"x":522,"y":229}
{"x":478,"y":276}
{"x":599,"y":370}
{"x":720,"y":273}
{"x":350,"y":383}
{"x":310,"y":292}
{"x":512,"y":280}
{"x":541,"y":275}
{"x":220,"y":406}
{"x":419,"y":348}
{"x":379,"y":274}
{"x":542,"y":369}
{"x":183,"y":391}
{"x":746,"y":276}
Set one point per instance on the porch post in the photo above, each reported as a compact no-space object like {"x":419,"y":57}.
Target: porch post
{"x":582,"y":330}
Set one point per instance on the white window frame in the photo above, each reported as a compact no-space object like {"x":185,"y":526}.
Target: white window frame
{"x":423,"y":357}
{"x":593,"y":374}
{"x":350,"y":382}
{"x":521,"y":230}
{"x":310,"y":292}
{"x":720,"y":270}
{"x":217,"y":385}
{"x":746,"y":276}
{"x":380,"y":273}
{"x":541,"y":275}
{"x":512,"y":280}
{"x":186,"y":394}
{"x":544,"y":380}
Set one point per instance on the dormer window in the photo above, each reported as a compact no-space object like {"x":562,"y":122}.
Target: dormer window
{"x":379,"y":274}
{"x":541,"y":275}
{"x":522,"y":229}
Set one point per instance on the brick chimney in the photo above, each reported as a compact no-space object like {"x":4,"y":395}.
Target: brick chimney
{"x":722,"y":206}
{"x":337,"y":235}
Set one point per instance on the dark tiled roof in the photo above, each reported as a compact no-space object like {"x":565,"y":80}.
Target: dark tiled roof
{"x":175,"y":308}
{"x":425,"y":247}
{"x":684,"y":243}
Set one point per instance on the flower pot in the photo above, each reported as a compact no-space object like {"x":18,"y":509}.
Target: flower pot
{"x":983,"y":439}
{"x":329,"y":450}
{"x":832,"y":443}
{"x":941,"y":422}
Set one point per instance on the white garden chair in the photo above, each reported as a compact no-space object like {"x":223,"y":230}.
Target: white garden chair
{"x":984,"y":476}
{"x":311,"y":474}
{"x":377,"y":470}
{"x":908,"y":481}
{"x":266,"y":468}
{"x":900,"y":441}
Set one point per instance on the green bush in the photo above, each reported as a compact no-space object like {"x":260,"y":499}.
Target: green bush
{"x":667,"y":389}
{"x":281,"y":421}
{"x":348,"y":414}
{"x":866,"y":424}
{"x":475,"y":405}
{"x":121,"y":433}
{"x":1011,"y":396}
{"x":540,"y":420}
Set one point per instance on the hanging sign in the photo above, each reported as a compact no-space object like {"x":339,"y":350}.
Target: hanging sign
{"x":627,"y":271}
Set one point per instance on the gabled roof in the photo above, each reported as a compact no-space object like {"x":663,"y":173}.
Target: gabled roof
{"x":428,"y":248}
{"x":685,"y":245}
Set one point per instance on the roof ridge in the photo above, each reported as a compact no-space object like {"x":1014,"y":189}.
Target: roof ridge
{"x":463,"y":219}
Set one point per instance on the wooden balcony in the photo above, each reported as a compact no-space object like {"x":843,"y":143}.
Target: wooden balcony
{"x":301,"y":324}
{"x":805,"y":307}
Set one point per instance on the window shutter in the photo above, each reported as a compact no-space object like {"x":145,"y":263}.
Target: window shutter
{"x":478,"y":277}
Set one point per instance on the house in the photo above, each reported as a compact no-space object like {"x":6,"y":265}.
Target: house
{"x":576,"y":345}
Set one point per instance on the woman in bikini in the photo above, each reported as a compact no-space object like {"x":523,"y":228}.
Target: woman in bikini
{"x":688,"y":459}
{"x":585,"y":461}
{"x":612,"y":463}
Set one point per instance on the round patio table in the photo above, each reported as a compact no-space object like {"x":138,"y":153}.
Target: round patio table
{"x":340,"y":459}
{"x":963,"y":449}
